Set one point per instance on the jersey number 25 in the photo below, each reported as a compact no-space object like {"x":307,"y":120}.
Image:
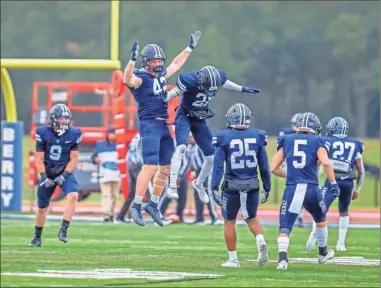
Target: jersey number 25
{"x":243,"y":150}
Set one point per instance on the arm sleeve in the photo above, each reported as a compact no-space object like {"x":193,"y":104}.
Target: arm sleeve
{"x":264,"y":168}
{"x":224,"y":77}
{"x":218,"y":167}
{"x":40,"y":139}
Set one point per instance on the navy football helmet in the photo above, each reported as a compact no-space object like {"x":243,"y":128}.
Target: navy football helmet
{"x":238,"y":116}
{"x":294,"y":119}
{"x":337,"y":126}
{"x":209,"y":80}
{"x":60,"y":118}
{"x":153,"y":52}
{"x":308,"y":122}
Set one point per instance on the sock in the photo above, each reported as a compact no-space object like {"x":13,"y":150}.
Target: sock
{"x":322,"y":239}
{"x":343,"y":228}
{"x":175,"y":168}
{"x":233,"y":255}
{"x":65,"y":224}
{"x":138,"y":202}
{"x":206,"y":169}
{"x":260,"y":238}
{"x":38,"y":231}
{"x":155,"y":199}
{"x":313,"y":227}
{"x":283,"y":243}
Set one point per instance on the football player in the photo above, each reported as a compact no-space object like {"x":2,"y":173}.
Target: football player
{"x":302,"y":151}
{"x":244,"y":151}
{"x":346,"y":156}
{"x":197,"y":89}
{"x":56,"y":157}
{"x":149,"y":88}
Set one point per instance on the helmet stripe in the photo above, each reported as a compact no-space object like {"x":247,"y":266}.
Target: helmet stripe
{"x":158,"y":51}
{"x":154,"y":48}
{"x":211,"y":76}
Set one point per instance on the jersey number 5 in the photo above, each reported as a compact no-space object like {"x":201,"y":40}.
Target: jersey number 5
{"x":157,"y":88}
{"x":243,"y":150}
{"x":298,"y":153}
{"x":55,"y":152}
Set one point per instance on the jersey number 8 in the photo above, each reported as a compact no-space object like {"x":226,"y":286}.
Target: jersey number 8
{"x":243,"y":150}
{"x":55,"y":152}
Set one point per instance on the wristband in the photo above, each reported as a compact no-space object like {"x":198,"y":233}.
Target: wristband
{"x":66,"y":174}
{"x":131,"y":62}
{"x":333,"y":182}
{"x":188,"y":49}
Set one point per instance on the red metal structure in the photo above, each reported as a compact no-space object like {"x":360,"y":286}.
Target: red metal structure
{"x":118,"y":108}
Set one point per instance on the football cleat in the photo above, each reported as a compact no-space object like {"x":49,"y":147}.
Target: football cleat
{"x":323,"y":259}
{"x":231,"y":264}
{"x":299,"y":222}
{"x":282,"y":265}
{"x":36,"y":242}
{"x":311,"y":242}
{"x":172,"y":193}
{"x":263,"y":256}
{"x":204,"y":198}
{"x":137,"y":216}
{"x":154,"y":213}
{"x":341,"y":247}
{"x":62,"y":235}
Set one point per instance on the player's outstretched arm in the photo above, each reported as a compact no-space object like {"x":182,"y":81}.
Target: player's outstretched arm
{"x":129,"y":79}
{"x":173,"y":93}
{"x":180,"y":59}
{"x":276,"y":162}
{"x":235,"y":87}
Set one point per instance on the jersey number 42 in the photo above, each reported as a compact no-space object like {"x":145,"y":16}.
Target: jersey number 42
{"x":157,"y":88}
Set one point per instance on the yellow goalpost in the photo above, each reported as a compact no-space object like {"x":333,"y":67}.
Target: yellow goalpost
{"x":112,"y":63}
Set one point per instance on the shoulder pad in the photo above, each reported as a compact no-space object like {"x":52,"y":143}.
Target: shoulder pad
{"x":217,"y":138}
{"x":186,"y":80}
{"x":263,"y":137}
{"x":361,"y":146}
{"x":77,"y":134}
{"x":40,"y":133}
{"x":280,"y":142}
{"x":224,"y":76}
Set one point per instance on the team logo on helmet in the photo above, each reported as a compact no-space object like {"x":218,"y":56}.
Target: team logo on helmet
{"x":338,"y":127}
{"x":238,"y":116}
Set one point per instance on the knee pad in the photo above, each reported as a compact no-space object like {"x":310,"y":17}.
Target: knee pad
{"x":181,"y":149}
{"x":285,"y":230}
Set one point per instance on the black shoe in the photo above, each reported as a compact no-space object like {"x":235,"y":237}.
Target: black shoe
{"x":36,"y":242}
{"x":62,"y":235}
{"x":108,"y":219}
{"x":122,"y":220}
{"x":199,"y":222}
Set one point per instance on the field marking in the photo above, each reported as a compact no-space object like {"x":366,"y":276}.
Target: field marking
{"x":356,"y":261}
{"x":113,"y":274}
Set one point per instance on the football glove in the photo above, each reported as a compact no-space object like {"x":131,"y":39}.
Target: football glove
{"x":194,"y":37}
{"x":45,"y":181}
{"x":134,"y":51}
{"x":59,"y":180}
{"x":335,"y":190}
{"x":250,"y":90}
{"x":265,"y":196}
{"x":217,"y":197}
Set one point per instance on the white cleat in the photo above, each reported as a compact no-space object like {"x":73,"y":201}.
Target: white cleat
{"x":263,"y":256}
{"x":201,"y":192}
{"x":282,"y":265}
{"x":323,"y":259}
{"x":172,"y":193}
{"x":311,"y":242}
{"x":231,"y":264}
{"x":340,"y":247}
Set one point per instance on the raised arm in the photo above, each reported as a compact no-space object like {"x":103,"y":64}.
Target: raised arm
{"x":180,"y":59}
{"x":235,"y":87}
{"x":129,"y":79}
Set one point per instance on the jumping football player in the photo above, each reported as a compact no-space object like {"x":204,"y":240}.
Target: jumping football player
{"x":56,"y":157}
{"x":302,"y":151}
{"x":149,"y":88}
{"x":244,"y":151}
{"x":345,"y":155}
{"x":197,"y":89}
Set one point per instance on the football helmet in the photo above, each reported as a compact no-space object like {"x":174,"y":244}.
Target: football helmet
{"x":308,"y":122}
{"x":337,"y":126}
{"x":60,"y":118}
{"x":238,"y":116}
{"x":153,"y":52}
{"x":209,"y":80}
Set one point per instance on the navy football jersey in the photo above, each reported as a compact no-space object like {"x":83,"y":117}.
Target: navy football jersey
{"x":242,"y":151}
{"x":300,"y":151}
{"x":194,"y":98}
{"x":343,"y":153}
{"x":286,"y":131}
{"x":56,"y":148}
{"x":150,"y":95}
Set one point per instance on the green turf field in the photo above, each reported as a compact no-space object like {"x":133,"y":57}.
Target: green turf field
{"x":175,"y":248}
{"x":369,"y":194}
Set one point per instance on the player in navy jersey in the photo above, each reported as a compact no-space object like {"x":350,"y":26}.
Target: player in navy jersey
{"x":346,"y":156}
{"x":57,"y":149}
{"x":197,"y":89}
{"x":149,"y":88}
{"x":244,"y":151}
{"x":302,"y":151}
